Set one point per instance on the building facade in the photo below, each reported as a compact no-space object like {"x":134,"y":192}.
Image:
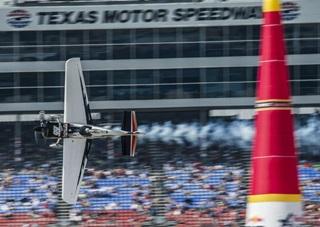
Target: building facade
{"x":173,"y":57}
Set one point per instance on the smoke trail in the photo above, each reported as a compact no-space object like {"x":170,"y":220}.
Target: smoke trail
{"x":236,"y":133}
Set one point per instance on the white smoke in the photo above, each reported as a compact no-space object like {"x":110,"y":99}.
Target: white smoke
{"x":236,"y":133}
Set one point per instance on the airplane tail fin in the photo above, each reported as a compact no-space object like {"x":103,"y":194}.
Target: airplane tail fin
{"x":129,"y":141}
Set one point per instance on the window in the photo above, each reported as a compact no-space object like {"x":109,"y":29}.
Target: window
{"x":256,"y":32}
{"x":6,"y":80}
{"x":98,"y":78}
{"x":122,"y":93}
{"x":28,"y":95}
{"x":29,"y":54}
{"x":190,"y":91}
{"x":190,"y":34}
{"x":51,"y":53}
{"x":97,"y":36}
{"x":144,"y":92}
{"x":121,"y":52}
{"x":309,"y":88}
{"x":214,"y":90}
{"x":190,"y":50}
{"x":144,"y":35}
{"x":28,"y":79}
{"x":121,"y":36}
{"x":238,"y":33}
{"x":168,"y":91}
{"x":28,"y":38}
{"x":144,"y":51}
{"x":51,"y":37}
{"x":144,"y":76}
{"x":309,"y":46}
{"x":214,"y":33}
{"x":168,"y":76}
{"x":98,"y":52}
{"x":237,"y":74}
{"x":308,"y":72}
{"x":167,"y":35}
{"x":52,"y":94}
{"x":98,"y":93}
{"x":121,"y":77}
{"x":214,"y":75}
{"x":6,"y":95}
{"x":7,"y":55}
{"x":237,"y":90}
{"x":52,"y":79}
{"x":309,"y":31}
{"x":75,"y":52}
{"x":190,"y":75}
{"x":74,"y":37}
{"x":238,"y":48}
{"x":214,"y":50}
{"x":6,"y":38}
{"x":168,"y":50}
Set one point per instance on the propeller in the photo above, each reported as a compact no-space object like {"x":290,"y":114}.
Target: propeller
{"x":39,"y":129}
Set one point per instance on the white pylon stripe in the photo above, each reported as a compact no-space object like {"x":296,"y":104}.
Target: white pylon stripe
{"x":273,"y":61}
{"x":275,"y":156}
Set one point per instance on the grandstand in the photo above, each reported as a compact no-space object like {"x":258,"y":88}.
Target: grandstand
{"x":166,"y":184}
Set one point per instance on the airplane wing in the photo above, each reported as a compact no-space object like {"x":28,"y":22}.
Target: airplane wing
{"x":76,"y":110}
{"x":76,"y":103}
{"x":75,"y":156}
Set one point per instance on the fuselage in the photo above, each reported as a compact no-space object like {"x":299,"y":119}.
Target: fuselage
{"x":54,"y":130}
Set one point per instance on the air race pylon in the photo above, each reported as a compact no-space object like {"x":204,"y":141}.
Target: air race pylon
{"x":274,"y":198}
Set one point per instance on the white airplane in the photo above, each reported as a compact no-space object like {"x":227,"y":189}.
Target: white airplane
{"x":77,"y":131}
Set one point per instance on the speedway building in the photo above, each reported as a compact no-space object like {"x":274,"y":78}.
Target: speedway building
{"x":179,"y":59}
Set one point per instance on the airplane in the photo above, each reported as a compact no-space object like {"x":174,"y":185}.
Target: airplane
{"x":77,"y":131}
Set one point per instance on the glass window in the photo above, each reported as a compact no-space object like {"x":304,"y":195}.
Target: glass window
{"x":168,"y":50}
{"x":190,"y":75}
{"x":121,"y":52}
{"x":52,"y":79}
{"x":144,"y":51}
{"x":51,"y":38}
{"x":290,"y":47}
{"x":289,"y":31}
{"x":251,"y":89}
{"x":167,"y":35}
{"x":6,"y":38}
{"x":98,"y":78}
{"x":309,"y":88}
{"x":214,"y":33}
{"x":238,"y":33}
{"x":144,"y":92}
{"x":6,"y":80}
{"x":308,"y":72}
{"x":122,"y":93}
{"x":28,"y":94}
{"x":28,"y":38}
{"x":97,"y":52}
{"x":51,"y":53}
{"x":98,"y":93}
{"x":121,"y":77}
{"x":238,"y":48}
{"x":237,"y":89}
{"x":6,"y":95}
{"x":97,"y":36}
{"x":214,"y":90}
{"x":144,"y":77}
{"x":190,"y":50}
{"x":214,"y":50}
{"x":252,"y":73}
{"x":75,"y":52}
{"x":255,"y":45}
{"x":29,"y":54}
{"x":168,"y":91}
{"x":7,"y":55}
{"x":52,"y":94}
{"x":309,"y":31}
{"x":74,"y":37}
{"x":238,"y":74}
{"x":309,"y":46}
{"x":190,"y":91}
{"x":28,"y":79}
{"x":214,"y":75}
{"x":144,"y":35}
{"x":190,"y":34}
{"x":121,"y":36}
{"x":255,"y":32}
{"x":168,"y":76}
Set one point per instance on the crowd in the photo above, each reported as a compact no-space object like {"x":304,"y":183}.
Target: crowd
{"x":199,"y":187}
